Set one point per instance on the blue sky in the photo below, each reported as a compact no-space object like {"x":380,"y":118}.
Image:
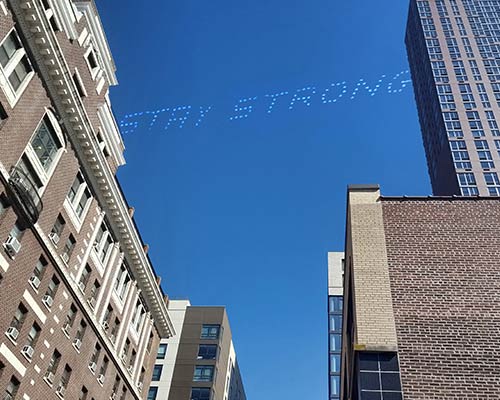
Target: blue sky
{"x":242,"y":212}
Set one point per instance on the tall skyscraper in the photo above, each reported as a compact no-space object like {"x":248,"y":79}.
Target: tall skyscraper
{"x":199,"y":363}
{"x":82,"y":312}
{"x":421,"y":303}
{"x":335,"y":301}
{"x":454,"y":54}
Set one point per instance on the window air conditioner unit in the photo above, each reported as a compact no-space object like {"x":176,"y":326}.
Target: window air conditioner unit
{"x":77,"y":343}
{"x":112,"y":338}
{"x":12,"y":246}
{"x":100,"y":379}
{"x":114,"y":396}
{"x":81,"y":286}
{"x":60,"y":390}
{"x":140,"y":386}
{"x":12,"y":332}
{"x":49,"y":376}
{"x":66,"y":328}
{"x":7,"y":396}
{"x":130,"y":368}
{"x":65,"y":257}
{"x":105,"y":325}
{"x":54,"y":237}
{"x":28,"y":351}
{"x":35,"y":282}
{"x":48,"y":300}
{"x":92,"y":366}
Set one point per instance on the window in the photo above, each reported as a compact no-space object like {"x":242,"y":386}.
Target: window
{"x":16,"y":232}
{"x":38,"y":272}
{"x":203,"y":373}
{"x":96,"y":353}
{"x":80,"y":88}
{"x":200,"y":394}
{"x":84,"y":278}
{"x":19,"y":317}
{"x":92,"y":61}
{"x":46,"y":145}
{"x":52,"y":289}
{"x":114,"y":330}
{"x":162,"y":351}
{"x":335,"y":342}
{"x":335,"y":323}
{"x":104,"y":366}
{"x":70,"y":318}
{"x":207,"y":352}
{"x":138,"y":316}
{"x":335,"y":304}
{"x":80,"y":333}
{"x":103,"y":242}
{"x":379,"y":376}
{"x":65,"y":377}
{"x":491,"y":179}
{"x":12,"y":388}
{"x":54,"y":362}
{"x":79,"y":196}
{"x":335,"y":363}
{"x":57,"y":229}
{"x":33,"y":335}
{"x":68,"y":248}
{"x":210,"y":331}
{"x":122,"y":281}
{"x":157,"y":372}
{"x":93,"y":293}
{"x":124,"y":393}
{"x":15,"y":67}
{"x":83,"y":393}
{"x":153,"y":392}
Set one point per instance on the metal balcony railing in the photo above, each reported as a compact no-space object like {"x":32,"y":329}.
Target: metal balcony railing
{"x":26,"y":193}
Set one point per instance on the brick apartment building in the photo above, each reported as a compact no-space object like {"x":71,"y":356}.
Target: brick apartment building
{"x":421,"y":304}
{"x":199,"y":362}
{"x":82,"y":311}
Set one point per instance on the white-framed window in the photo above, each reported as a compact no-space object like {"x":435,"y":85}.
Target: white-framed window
{"x":138,"y":315}
{"x":103,"y":243}
{"x":51,"y":16}
{"x":15,"y":67}
{"x":93,"y":62}
{"x":78,"y":200}
{"x":121,"y":282}
{"x":42,"y":154}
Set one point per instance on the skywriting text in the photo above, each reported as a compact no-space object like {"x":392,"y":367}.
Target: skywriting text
{"x":170,"y":118}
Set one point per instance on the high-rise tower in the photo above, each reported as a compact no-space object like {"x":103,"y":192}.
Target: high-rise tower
{"x":454,"y":53}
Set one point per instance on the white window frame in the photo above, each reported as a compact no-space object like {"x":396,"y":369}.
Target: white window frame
{"x":98,"y":71}
{"x":12,"y":95}
{"x":97,"y":248}
{"x":122,"y":286}
{"x":70,"y":206}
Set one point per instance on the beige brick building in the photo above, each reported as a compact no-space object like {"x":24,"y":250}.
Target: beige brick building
{"x":421,"y":297}
{"x":82,"y":312}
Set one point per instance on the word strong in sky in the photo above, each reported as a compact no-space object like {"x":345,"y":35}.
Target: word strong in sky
{"x":182,"y":115}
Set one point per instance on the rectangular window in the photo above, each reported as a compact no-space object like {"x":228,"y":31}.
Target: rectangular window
{"x":12,"y":388}
{"x":45,"y":145}
{"x":19,"y":317}
{"x":79,"y":196}
{"x":52,"y":289}
{"x":15,"y":66}
{"x":210,"y":331}
{"x":207,"y":352}
{"x":54,"y":362}
{"x":38,"y":272}
{"x":84,"y":278}
{"x":103,"y":242}
{"x":68,"y":248}
{"x":157,"y":372}
{"x":33,"y":335}
{"x":203,"y":373}
{"x":379,"y":376}
{"x":153,"y":392}
{"x":200,"y":394}
{"x":57,"y":229}
{"x":162,"y":351}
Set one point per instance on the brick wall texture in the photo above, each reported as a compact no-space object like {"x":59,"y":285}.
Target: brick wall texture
{"x":444,"y":268}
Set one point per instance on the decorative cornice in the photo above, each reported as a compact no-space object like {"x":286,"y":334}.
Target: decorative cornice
{"x":56,"y":74}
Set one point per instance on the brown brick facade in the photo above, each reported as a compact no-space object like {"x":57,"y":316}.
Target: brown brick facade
{"x":445,"y":279}
{"x":16,"y":133}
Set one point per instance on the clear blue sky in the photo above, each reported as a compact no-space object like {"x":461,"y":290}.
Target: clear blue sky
{"x":242,"y":213}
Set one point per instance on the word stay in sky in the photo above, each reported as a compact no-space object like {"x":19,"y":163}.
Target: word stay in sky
{"x":170,"y":118}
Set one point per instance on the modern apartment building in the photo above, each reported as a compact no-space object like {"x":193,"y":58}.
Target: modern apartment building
{"x":454,"y":54}
{"x":82,"y":311}
{"x":421,"y":305}
{"x":199,"y":363}
{"x":335,"y":302}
